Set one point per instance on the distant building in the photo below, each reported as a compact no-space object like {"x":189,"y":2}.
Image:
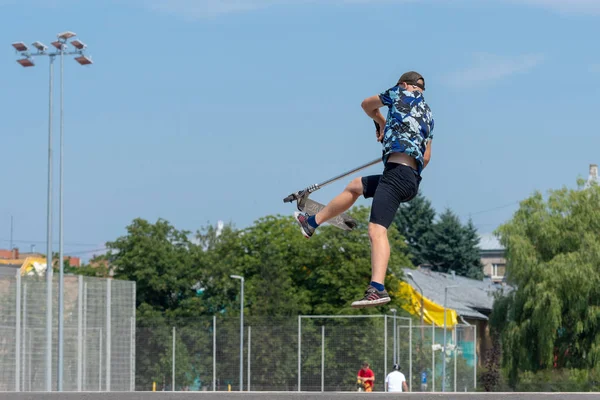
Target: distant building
{"x":16,"y":258}
{"x":492,"y":255}
{"x":472,"y":299}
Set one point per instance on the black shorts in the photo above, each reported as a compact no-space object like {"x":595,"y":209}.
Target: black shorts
{"x":398,"y":184}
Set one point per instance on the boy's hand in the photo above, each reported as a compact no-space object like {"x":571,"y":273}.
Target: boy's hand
{"x":379,"y":131}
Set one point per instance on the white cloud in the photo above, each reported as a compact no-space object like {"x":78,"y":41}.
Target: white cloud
{"x":488,"y":68}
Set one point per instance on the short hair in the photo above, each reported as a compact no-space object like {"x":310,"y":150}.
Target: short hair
{"x":413,"y":78}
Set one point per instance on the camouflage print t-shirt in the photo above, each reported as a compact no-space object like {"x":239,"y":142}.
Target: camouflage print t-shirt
{"x":409,"y":124}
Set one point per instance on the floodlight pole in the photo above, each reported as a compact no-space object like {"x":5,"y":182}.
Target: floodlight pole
{"x":62,"y":39}
{"x":49,"y":243}
{"x":61,"y":302}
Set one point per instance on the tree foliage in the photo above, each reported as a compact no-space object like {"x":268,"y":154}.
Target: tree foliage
{"x":445,"y":244}
{"x":414,"y":220}
{"x":454,"y":247}
{"x":552,"y":318}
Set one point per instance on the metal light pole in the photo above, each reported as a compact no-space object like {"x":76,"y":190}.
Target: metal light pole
{"x":393,"y":310}
{"x":410,"y":275}
{"x":241,"y":278}
{"x":27,"y":61}
{"x":412,"y":278}
{"x":444,"y":346}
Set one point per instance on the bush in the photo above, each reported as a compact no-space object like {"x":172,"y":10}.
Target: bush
{"x":559,"y":380}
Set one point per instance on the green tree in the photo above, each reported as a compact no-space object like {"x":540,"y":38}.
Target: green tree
{"x":414,"y":221}
{"x":471,"y":258}
{"x":166,"y":267}
{"x":162,"y":261}
{"x":551,"y":319}
{"x":454,"y":247}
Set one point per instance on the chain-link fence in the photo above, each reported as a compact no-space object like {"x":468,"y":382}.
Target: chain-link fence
{"x":306,"y":353}
{"x":98,"y":334}
{"x":104,"y":351}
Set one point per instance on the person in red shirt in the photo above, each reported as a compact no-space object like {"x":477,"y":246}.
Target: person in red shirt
{"x":367,"y":377}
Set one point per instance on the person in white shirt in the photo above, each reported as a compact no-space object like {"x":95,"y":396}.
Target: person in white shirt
{"x":396,"y":381}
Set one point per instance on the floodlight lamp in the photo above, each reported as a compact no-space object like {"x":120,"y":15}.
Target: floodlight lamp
{"x":83,"y":60}
{"x":20,"y":46}
{"x":40,"y":46}
{"x":66,"y":35}
{"x":78,"y":44}
{"x":26,"y":62}
{"x":59,"y":45}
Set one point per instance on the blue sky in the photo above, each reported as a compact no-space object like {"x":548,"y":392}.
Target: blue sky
{"x":199,"y":111}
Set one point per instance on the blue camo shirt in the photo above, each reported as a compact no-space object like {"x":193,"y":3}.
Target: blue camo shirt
{"x":409,"y":124}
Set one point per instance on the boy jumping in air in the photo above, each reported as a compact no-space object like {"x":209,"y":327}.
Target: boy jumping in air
{"x":406,"y":137}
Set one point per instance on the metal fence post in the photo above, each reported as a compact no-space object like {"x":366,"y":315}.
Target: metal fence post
{"x":299,"y":350}
{"x":214,"y":353}
{"x":132,"y":355}
{"x":79,"y":331}
{"x":410,"y":346}
{"x":249,"y":344}
{"x":26,"y":365}
{"x":30,"y":361}
{"x":385,"y":336}
{"x":18,"y":333}
{"x":475,"y":356}
{"x":396,"y":357}
{"x":455,"y":352}
{"x":108,"y":332}
{"x":99,"y":360}
{"x":85,"y":330}
{"x":173,"y":364}
{"x":432,"y":357}
{"x":322,"y":358}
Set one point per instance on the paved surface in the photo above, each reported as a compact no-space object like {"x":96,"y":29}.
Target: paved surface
{"x":292,"y":396}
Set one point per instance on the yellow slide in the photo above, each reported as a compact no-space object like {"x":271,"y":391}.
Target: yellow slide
{"x":432,"y":312}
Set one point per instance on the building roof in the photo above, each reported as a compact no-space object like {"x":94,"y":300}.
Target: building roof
{"x":489,"y":241}
{"x":471,"y":299}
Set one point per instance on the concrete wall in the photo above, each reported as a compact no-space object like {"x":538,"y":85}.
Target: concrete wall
{"x":290,"y":396}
